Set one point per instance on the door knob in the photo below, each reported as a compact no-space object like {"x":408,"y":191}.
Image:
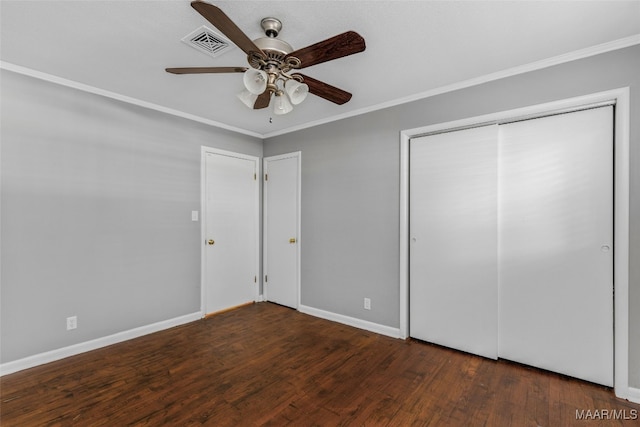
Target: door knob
{"x":211,"y":241}
{"x":292,"y":240}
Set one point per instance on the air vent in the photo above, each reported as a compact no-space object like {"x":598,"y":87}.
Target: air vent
{"x":207,"y":41}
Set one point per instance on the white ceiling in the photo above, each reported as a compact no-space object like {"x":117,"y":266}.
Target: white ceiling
{"x":413,"y":48}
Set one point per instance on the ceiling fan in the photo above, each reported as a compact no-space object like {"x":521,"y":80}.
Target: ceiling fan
{"x":274,"y":63}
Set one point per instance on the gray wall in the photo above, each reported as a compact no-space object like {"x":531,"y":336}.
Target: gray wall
{"x":350,"y":185}
{"x":97,"y":198}
{"x":96,"y":214}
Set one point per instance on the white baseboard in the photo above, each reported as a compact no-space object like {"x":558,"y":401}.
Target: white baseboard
{"x":351,"y":321}
{"x":72,"y":350}
{"x":633,"y":395}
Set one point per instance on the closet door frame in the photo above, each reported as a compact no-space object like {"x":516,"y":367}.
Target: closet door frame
{"x":620,"y":98}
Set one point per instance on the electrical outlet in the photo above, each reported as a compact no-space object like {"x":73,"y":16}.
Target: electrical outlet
{"x":72,"y":322}
{"x":367,"y":303}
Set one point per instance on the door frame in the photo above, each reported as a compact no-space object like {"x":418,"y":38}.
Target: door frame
{"x":297,"y":155}
{"x":620,"y":98}
{"x":203,"y":215}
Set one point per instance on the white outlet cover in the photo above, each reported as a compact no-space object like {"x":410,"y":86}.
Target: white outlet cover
{"x":72,"y":323}
{"x":194,"y":215}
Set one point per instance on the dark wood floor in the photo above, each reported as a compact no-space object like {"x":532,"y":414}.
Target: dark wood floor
{"x":266,"y":364}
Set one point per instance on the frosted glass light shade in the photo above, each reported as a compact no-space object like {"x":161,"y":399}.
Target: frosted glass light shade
{"x":248,"y":98}
{"x":297,"y":91}
{"x":281,"y":104}
{"x":255,"y":81}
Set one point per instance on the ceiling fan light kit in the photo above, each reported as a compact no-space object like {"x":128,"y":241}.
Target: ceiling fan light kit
{"x":273,"y":60}
{"x":248,"y":98}
{"x":297,"y":91}
{"x":255,"y":81}
{"x":282,"y":105}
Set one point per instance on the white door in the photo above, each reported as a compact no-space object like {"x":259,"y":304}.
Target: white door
{"x":282,"y":229}
{"x":231,"y":214}
{"x":453,"y":240}
{"x":556,"y":243}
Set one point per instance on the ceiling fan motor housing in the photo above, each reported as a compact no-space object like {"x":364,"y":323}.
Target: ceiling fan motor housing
{"x":268,"y":45}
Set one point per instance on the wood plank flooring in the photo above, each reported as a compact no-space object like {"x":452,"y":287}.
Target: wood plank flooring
{"x":265,"y":364}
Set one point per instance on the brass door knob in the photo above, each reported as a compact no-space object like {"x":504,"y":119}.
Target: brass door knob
{"x":292,"y":240}
{"x":211,"y":241}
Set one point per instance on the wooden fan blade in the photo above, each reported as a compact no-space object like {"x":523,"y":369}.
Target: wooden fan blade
{"x":263,"y":100}
{"x":223,"y":23}
{"x":202,"y":70}
{"x":324,"y":90}
{"x":344,"y":44}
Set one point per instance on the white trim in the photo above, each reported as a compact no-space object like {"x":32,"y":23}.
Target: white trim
{"x":621,"y":209}
{"x":545,"y":63}
{"x":634,"y":395}
{"x":297,"y":155}
{"x":204,"y":150}
{"x":510,"y":72}
{"x":404,"y":234}
{"x":621,"y":242}
{"x":72,"y":350}
{"x":351,"y":321}
{"x":203,"y":225}
{"x":300,"y":241}
{"x":119,"y":97}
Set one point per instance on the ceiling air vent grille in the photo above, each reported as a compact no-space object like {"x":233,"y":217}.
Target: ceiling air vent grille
{"x":207,"y":41}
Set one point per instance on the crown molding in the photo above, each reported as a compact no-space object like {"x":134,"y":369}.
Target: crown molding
{"x":533,"y":66}
{"x":119,"y":97}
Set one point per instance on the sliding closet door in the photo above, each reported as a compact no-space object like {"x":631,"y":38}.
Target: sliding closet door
{"x":556,"y":243}
{"x":453,"y":240}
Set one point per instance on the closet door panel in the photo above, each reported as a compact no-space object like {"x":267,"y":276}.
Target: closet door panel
{"x":556,"y":243}
{"x":453,"y":240}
